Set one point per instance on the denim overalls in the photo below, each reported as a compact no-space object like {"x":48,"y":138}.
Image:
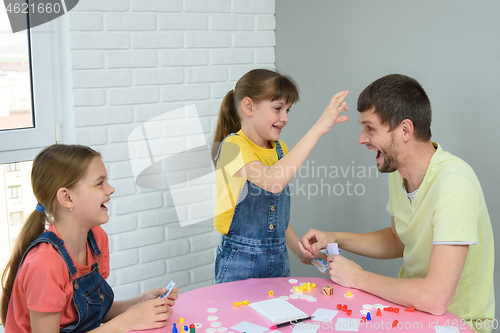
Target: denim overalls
{"x":92,"y":296}
{"x":255,"y":245}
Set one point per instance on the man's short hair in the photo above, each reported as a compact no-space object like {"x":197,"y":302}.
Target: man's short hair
{"x":395,"y":98}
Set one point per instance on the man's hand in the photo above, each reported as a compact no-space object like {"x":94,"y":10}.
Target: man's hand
{"x":343,"y":271}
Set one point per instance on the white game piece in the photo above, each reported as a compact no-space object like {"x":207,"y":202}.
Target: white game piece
{"x":379,"y":306}
{"x":197,"y":325}
{"x":305,"y":296}
{"x":216,"y":324}
{"x":292,"y":290}
{"x":212,"y":318}
{"x":363,"y":312}
{"x":212,"y":310}
{"x":221,"y":329}
{"x":312,"y":299}
{"x":293,"y":281}
{"x":294,"y":296}
{"x":367,"y":306}
{"x":284,"y":297}
{"x":349,"y":296}
{"x":210,"y":330}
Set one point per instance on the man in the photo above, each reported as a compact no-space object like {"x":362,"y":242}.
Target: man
{"x":439,"y":225}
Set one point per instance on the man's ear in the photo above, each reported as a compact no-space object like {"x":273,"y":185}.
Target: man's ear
{"x":407,"y":128}
{"x":247,"y":106}
{"x":64,"y":198}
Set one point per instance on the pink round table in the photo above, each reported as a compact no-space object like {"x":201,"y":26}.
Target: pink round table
{"x":197,"y":306}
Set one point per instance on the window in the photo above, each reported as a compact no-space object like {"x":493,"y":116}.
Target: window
{"x":32,"y":73}
{"x":11,"y":167}
{"x":14,"y":192}
{"x":16,"y":218}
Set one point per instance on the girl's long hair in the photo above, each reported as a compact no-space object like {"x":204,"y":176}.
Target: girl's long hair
{"x":55,"y":167}
{"x":259,"y":85}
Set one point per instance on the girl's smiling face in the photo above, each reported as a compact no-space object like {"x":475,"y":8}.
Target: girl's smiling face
{"x":268,"y":119}
{"x":91,"y":194}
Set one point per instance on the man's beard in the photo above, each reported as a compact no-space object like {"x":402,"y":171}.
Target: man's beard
{"x":390,"y":157}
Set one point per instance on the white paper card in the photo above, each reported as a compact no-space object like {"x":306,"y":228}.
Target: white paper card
{"x":333,"y":248}
{"x":347,"y":324}
{"x":247,"y":327}
{"x":324,"y":315}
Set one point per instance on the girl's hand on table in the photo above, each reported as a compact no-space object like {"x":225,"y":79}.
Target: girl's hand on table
{"x":149,"y":314}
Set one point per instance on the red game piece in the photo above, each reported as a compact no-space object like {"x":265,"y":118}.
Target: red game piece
{"x":191,"y":326}
{"x":395,"y":323}
{"x":344,"y":308}
{"x":339,"y":306}
{"x":379,"y":313}
{"x":389,"y":309}
{"x":395,"y":310}
{"x":363,"y":319}
{"x":349,"y":312}
{"x":410,"y":309}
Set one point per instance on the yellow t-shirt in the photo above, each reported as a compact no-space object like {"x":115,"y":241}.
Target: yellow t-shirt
{"x":236,"y":152}
{"x":448,"y":208}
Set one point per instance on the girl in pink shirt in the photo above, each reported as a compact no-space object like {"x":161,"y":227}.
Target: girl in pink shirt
{"x":55,"y":278}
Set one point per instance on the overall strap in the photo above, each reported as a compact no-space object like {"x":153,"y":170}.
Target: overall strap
{"x":220,"y":146}
{"x":93,"y":244}
{"x":279,"y":150}
{"x":58,"y":244}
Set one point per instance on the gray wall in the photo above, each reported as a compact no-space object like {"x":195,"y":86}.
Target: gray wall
{"x":451,"y":47}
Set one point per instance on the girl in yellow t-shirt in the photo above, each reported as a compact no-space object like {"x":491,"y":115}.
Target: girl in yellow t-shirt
{"x":253,"y":170}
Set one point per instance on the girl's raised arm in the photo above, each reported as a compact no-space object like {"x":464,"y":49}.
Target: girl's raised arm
{"x":276,"y":177}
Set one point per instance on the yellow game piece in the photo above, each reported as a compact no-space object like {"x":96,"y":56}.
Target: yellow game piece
{"x":271,"y":293}
{"x":241,"y":303}
{"x":181,"y":320}
{"x":313,"y":285}
{"x":308,"y":286}
{"x":349,"y":294}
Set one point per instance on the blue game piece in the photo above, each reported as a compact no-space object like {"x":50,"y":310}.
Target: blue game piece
{"x":186,"y":329}
{"x":174,"y":330}
{"x":368,"y":316}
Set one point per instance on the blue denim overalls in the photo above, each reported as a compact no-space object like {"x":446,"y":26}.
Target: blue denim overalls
{"x":92,"y":296}
{"x":255,"y":245}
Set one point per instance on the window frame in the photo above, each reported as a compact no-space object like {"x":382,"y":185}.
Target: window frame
{"x":49,"y":53}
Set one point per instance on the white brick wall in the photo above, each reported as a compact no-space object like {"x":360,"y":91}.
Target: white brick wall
{"x":134,"y":60}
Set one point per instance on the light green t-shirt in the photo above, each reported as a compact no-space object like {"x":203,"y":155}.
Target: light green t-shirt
{"x":448,"y":208}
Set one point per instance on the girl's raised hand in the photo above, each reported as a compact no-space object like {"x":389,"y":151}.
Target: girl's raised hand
{"x":330,"y":116}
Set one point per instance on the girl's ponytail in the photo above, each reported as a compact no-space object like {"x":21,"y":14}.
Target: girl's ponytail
{"x":32,"y":228}
{"x":227,"y":123}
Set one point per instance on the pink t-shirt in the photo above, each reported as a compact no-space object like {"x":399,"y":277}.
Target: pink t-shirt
{"x":43,"y":284}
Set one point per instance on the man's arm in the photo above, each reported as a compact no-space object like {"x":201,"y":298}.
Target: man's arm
{"x":381,"y":244}
{"x":432,"y":294}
